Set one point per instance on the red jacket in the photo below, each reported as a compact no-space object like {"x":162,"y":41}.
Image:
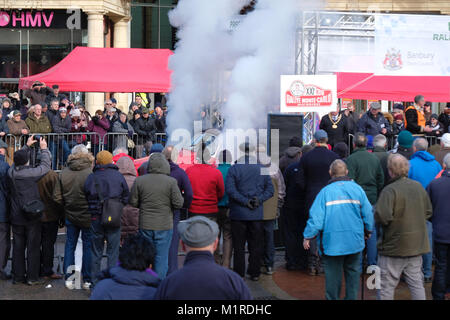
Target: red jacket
{"x":208,"y":187}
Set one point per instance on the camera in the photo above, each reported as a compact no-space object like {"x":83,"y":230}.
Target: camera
{"x":37,"y":137}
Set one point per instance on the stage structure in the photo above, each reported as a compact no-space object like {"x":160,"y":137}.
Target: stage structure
{"x":312,"y":26}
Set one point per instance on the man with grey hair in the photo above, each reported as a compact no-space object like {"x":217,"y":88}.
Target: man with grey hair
{"x":403,"y":222}
{"x":424,"y":168}
{"x":365,"y":169}
{"x":341,"y":216}
{"x":415,"y":118}
{"x":379,"y":150}
{"x":445,"y":148}
{"x":373,"y":122}
{"x":438,"y":192}
{"x":201,"y":278}
{"x":120,"y":150}
{"x":69,"y":193}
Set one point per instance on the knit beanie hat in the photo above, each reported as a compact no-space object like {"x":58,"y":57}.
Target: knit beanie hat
{"x":405,"y":139}
{"x":104,"y":157}
{"x":21,"y":157}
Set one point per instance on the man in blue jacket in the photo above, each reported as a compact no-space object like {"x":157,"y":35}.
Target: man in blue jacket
{"x":438,"y":191}
{"x":186,"y":190}
{"x":111,"y":184}
{"x":5,"y":227}
{"x":247,"y":189}
{"x":424,"y":168}
{"x":373,"y":122}
{"x":201,"y":278}
{"x":341,"y":216}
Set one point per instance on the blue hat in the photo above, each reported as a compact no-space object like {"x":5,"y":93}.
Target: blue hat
{"x":369,"y":142}
{"x":157,"y":147}
{"x":405,"y":139}
{"x":113,"y":100}
{"x":320,"y":134}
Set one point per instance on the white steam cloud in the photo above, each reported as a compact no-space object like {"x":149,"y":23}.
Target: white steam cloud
{"x":241,"y":69}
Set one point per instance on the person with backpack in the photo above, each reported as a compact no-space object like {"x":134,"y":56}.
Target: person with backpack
{"x":107,"y":193}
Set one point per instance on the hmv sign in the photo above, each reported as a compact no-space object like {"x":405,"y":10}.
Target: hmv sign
{"x":31,"y":19}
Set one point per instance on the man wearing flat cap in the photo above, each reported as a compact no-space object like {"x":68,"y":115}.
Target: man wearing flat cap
{"x":248,"y":188}
{"x":201,"y":278}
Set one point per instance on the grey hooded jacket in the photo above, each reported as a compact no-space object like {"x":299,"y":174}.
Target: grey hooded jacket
{"x":157,"y":195}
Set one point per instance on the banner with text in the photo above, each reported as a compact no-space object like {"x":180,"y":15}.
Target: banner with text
{"x":416,"y":45}
{"x":308,"y":93}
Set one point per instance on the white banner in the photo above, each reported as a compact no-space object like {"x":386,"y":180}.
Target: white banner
{"x":308,"y":93}
{"x":416,"y":45}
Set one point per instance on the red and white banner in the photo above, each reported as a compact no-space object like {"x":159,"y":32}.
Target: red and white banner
{"x":308,"y":93}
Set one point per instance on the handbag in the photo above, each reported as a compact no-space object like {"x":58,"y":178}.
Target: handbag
{"x":111,"y":209}
{"x":33,"y":209}
{"x":130,"y":144}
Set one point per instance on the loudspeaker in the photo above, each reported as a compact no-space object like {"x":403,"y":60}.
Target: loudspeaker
{"x":289,"y":125}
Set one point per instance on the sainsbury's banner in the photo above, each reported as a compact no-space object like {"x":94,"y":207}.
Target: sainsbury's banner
{"x":308,"y":93}
{"x":412,"y":45}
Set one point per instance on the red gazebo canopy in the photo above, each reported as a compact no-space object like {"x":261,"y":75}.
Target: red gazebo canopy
{"x":88,"y":69}
{"x":367,"y":86}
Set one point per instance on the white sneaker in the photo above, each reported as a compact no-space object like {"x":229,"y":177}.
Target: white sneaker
{"x":87,"y":285}
{"x":70,"y":284}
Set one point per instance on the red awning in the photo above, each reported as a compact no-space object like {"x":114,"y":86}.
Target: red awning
{"x":108,"y":70}
{"x":367,"y":86}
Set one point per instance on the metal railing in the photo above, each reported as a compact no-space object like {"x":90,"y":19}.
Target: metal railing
{"x":61,"y":144}
{"x":392,"y":141}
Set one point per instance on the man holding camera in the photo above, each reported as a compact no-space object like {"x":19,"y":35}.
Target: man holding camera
{"x":248,"y":187}
{"x":26,"y":211}
{"x":38,"y":93}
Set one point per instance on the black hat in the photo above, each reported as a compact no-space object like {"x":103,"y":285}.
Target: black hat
{"x":434,"y":115}
{"x":21,"y":157}
{"x":399,"y":106}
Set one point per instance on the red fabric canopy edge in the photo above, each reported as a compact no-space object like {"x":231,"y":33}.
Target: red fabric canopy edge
{"x":88,"y":69}
{"x":368,"y":86}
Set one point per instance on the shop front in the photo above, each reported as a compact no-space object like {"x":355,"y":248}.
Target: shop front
{"x":32,"y":41}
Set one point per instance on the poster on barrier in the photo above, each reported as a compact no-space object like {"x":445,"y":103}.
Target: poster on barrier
{"x":308,"y":93}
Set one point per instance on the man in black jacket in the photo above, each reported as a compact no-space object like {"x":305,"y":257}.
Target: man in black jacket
{"x":22,"y":181}
{"x":336,"y":126}
{"x":444,"y":118}
{"x":145,"y":128}
{"x":314,"y":175}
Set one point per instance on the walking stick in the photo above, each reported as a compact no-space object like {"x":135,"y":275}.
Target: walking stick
{"x":364,"y":263}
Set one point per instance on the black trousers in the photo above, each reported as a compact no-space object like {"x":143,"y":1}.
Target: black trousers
{"x":49,"y":232}
{"x":26,"y":238}
{"x":251,"y":232}
{"x":293,"y":221}
{"x":5,"y":244}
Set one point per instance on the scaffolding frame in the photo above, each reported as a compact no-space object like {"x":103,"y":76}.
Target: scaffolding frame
{"x":315,"y":24}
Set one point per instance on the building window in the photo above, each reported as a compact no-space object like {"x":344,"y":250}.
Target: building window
{"x":150,"y":26}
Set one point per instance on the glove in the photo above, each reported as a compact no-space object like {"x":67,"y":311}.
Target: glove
{"x":255,"y":202}
{"x":250,"y":204}
{"x":95,"y":119}
{"x":61,"y":223}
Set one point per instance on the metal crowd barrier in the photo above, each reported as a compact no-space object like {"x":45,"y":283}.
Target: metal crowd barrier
{"x":392,"y":141}
{"x":133,"y":144}
{"x":61,"y":144}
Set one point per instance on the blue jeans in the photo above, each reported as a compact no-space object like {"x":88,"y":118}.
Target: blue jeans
{"x":269,"y":246}
{"x":99,"y":235}
{"x":439,"y":287}
{"x":161,"y":240}
{"x":174,"y":244}
{"x":73,"y":233}
{"x":371,"y":249}
{"x":428,"y":257}
{"x":59,"y":149}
